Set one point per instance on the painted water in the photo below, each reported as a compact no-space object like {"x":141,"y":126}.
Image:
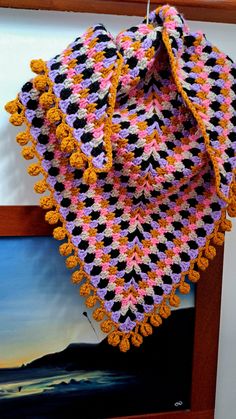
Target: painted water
{"x":19,"y":382}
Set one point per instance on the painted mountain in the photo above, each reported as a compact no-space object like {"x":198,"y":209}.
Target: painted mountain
{"x":99,"y":381}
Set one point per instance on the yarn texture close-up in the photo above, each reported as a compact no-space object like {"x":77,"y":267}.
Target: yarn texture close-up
{"x":134,"y":139}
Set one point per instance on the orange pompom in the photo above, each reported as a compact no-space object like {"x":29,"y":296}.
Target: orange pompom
{"x":218,"y":239}
{"x":34,"y":169}
{"x":91,"y":301}
{"x":164,"y":311}
{"x":124,"y":345}
{"x":98,"y":314}
{"x":233,"y":188}
{"x":46,"y":202}
{"x":106,"y":326}
{"x":23,"y":138}
{"x":52,"y":217}
{"x":137,"y":340}
{"x":184,"y":288}
{"x":210,"y":252}
{"x":174,"y":300}
{"x":62,"y":131}
{"x":40,"y":186}
{"x":12,"y":106}
{"x":46,"y":100}
{"x":38,"y":66}
{"x":17,"y":119}
{"x":77,"y":277}
{"x":90,"y":176}
{"x":59,"y":233}
{"x":226,"y":225}
{"x":146,"y":329}
{"x":76,"y":160}
{"x":40,"y":83}
{"x":68,"y":145}
{"x":202,"y":263}
{"x":28,"y":153}
{"x":65,"y":249}
{"x":193,"y":276}
{"x":113,"y":339}
{"x":156,"y":320}
{"x":71,"y":262}
{"x":54,"y":115}
{"x":85,"y":290}
{"x":231,"y":209}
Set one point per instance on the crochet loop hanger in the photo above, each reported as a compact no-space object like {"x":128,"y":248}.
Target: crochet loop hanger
{"x":148,"y":10}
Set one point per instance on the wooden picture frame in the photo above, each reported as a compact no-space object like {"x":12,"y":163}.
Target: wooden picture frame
{"x":203,"y":10}
{"x":29,"y":221}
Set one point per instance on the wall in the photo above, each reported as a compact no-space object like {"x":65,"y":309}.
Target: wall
{"x":32,"y":34}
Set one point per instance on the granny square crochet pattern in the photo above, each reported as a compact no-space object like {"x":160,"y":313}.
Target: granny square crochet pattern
{"x":135,"y":140}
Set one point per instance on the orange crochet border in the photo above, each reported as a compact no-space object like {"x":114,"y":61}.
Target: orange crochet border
{"x":65,"y":132}
{"x":160,"y":311}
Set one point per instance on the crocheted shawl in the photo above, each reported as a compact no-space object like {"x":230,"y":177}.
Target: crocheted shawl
{"x":134,"y":139}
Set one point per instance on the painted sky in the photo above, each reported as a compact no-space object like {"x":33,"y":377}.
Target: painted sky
{"x":40,"y":309}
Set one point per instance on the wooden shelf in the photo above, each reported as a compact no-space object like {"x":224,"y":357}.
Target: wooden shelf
{"x":203,"y":10}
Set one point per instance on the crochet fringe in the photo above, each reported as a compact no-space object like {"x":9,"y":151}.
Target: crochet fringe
{"x":53,"y":216}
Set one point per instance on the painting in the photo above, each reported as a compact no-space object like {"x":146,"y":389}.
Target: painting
{"x":54,"y":358}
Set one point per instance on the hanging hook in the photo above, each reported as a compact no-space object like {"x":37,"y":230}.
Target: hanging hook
{"x":148,"y":10}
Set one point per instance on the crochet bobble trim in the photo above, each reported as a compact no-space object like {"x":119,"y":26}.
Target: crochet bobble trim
{"x":67,"y":249}
{"x":64,"y":132}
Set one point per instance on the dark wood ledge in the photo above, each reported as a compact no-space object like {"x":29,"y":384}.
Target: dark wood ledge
{"x":203,"y":10}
